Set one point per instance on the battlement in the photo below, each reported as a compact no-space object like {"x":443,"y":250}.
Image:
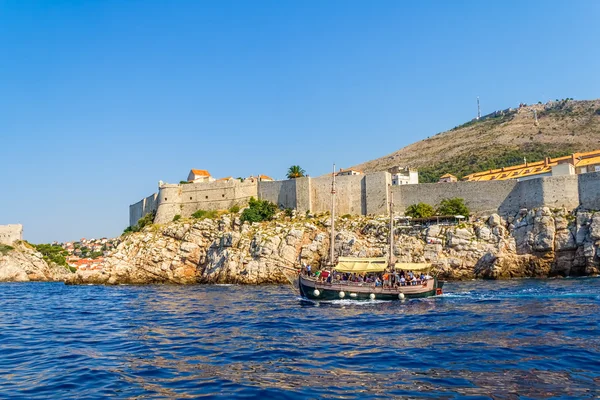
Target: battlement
{"x":368,"y":195}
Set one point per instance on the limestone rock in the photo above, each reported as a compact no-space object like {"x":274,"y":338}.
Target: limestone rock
{"x":533,"y":243}
{"x":24,"y":264}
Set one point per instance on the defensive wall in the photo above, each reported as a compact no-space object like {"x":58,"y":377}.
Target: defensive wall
{"x":368,"y":195}
{"x":11,"y":233}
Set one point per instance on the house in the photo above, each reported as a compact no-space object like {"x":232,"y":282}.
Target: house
{"x":405,"y":176}
{"x":447,"y":178}
{"x":227,"y":179}
{"x":265,"y":178}
{"x":199,"y":175}
{"x":576,"y":163}
{"x":349,"y":171}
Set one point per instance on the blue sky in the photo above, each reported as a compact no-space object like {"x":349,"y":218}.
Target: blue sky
{"x":99,"y":100}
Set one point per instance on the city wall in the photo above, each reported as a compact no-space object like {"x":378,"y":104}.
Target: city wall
{"x":11,"y":233}
{"x":368,"y":195}
{"x":185,"y":199}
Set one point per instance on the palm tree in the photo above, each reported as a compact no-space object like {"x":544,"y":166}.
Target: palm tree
{"x":295,"y":171}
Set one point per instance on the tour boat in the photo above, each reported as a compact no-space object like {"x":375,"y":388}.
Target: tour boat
{"x":317,"y":288}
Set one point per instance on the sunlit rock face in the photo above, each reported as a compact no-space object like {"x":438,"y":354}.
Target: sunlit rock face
{"x":22,"y":263}
{"x":533,"y":243}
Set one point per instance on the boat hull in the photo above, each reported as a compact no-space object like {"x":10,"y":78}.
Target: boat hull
{"x":314,"y":290}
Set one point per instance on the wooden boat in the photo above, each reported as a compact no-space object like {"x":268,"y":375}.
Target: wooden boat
{"x":316,"y":288}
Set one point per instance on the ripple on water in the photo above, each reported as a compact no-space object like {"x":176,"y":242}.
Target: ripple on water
{"x":532,"y":338}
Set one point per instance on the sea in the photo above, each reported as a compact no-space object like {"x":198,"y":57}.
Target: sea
{"x":517,"y":339}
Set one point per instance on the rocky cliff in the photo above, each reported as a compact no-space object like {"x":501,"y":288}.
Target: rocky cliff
{"x":533,"y":243}
{"x":21,"y":263}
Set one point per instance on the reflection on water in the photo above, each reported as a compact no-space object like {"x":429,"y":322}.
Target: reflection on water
{"x":531,"y":338}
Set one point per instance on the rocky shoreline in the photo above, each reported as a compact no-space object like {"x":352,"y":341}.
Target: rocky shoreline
{"x":534,"y":243}
{"x":22,"y":263}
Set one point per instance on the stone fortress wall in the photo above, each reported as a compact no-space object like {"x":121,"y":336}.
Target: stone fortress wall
{"x":11,"y":233}
{"x":368,"y":195}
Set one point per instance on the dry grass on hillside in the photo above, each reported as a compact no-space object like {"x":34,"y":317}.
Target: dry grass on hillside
{"x":564,"y":127}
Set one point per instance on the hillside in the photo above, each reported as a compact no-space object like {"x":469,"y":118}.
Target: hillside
{"x":500,"y":139}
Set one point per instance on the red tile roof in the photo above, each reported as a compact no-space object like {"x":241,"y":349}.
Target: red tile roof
{"x":200,"y":172}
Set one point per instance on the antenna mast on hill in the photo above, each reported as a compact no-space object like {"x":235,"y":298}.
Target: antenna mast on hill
{"x":478,"y":109}
{"x":536,"y":123}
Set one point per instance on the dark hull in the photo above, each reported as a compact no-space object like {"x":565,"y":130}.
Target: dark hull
{"x":331,"y":291}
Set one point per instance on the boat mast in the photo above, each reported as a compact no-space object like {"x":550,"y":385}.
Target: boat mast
{"x":391,"y":262}
{"x":332,"y":240}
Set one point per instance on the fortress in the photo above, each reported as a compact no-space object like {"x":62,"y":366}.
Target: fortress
{"x":11,"y":233}
{"x":368,"y":195}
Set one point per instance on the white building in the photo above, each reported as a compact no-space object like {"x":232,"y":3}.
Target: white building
{"x":200,"y":175}
{"x":349,"y":171}
{"x":405,"y":176}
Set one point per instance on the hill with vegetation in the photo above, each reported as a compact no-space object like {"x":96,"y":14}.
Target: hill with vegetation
{"x":501,"y":139}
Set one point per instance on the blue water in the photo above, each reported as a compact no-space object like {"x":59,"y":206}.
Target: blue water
{"x":501,"y":340}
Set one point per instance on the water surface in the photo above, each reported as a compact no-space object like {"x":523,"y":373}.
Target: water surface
{"x":482,"y":339}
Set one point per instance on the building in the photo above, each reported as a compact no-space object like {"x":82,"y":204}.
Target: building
{"x":227,"y":179}
{"x":349,"y":171}
{"x":259,"y":178}
{"x":265,"y":178}
{"x":577,"y":163}
{"x":405,"y":176}
{"x":447,"y":178}
{"x":11,"y":233}
{"x":199,"y":175}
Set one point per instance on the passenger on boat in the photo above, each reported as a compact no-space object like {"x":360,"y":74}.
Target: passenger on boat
{"x":308,"y":269}
{"x":402,"y":281}
{"x":414,"y":280}
{"x":386,"y":277}
{"x":324,"y":275}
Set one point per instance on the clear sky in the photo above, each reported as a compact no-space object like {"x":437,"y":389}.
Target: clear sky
{"x":99,"y":100}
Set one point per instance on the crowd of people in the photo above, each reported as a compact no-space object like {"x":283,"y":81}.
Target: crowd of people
{"x":384,"y":279}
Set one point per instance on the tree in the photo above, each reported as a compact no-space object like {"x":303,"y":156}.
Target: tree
{"x":295,"y":171}
{"x":421,"y":210}
{"x":455,"y":206}
{"x":258,"y":210}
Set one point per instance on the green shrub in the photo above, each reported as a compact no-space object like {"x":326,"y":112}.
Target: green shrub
{"x":176,"y":218}
{"x":184,"y":182}
{"x":289,"y":212}
{"x":346,"y":216}
{"x":53,"y":253}
{"x":258,"y":210}
{"x":420,"y":210}
{"x":202,"y":214}
{"x":146,"y":220}
{"x":455,"y":206}
{"x":4,"y":248}
{"x":234,"y":209}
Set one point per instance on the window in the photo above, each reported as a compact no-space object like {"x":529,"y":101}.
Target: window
{"x":597,"y":168}
{"x":190,"y":197}
{"x":222,"y":195}
{"x":165,"y":199}
{"x":207,"y":197}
